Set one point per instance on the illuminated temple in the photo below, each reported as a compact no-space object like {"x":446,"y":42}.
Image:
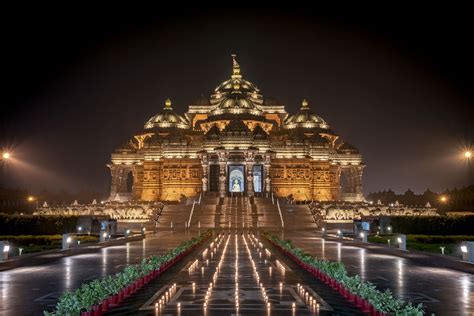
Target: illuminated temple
{"x":237,"y":141}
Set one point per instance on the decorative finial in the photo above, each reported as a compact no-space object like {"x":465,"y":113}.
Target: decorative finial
{"x":168,"y":104}
{"x":235,"y":65}
{"x":304,"y":104}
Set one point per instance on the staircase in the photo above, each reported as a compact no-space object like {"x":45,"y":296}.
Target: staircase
{"x":294,"y":216}
{"x":176,"y":214}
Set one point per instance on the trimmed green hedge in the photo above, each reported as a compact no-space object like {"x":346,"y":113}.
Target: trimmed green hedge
{"x":435,"y":225}
{"x":37,"y":225}
{"x":428,"y":242}
{"x":36,"y":243}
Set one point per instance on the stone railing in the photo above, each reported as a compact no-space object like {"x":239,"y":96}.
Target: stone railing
{"x":357,"y":211}
{"x":115,"y":210}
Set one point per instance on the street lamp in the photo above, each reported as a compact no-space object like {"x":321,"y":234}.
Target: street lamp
{"x":443,"y":199}
{"x":468,"y":154}
{"x":6,"y":155}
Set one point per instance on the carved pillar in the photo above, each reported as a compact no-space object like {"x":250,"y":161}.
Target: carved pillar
{"x":205,"y":174}
{"x":222,"y":173}
{"x":266,"y":174}
{"x":249,"y":162}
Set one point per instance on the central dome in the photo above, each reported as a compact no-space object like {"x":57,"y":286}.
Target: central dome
{"x":236,"y":95}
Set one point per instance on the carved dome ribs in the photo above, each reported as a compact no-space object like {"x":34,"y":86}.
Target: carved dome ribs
{"x":167,"y":118}
{"x":305,"y":118}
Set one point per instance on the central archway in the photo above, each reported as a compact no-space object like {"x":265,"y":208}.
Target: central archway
{"x":236,"y":179}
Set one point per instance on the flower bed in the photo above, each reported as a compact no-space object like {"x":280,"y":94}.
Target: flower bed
{"x":363,"y":294}
{"x":93,"y":298}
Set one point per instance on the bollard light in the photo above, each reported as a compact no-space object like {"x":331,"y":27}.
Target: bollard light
{"x":402,"y":242}
{"x":467,"y":250}
{"x":66,"y":242}
{"x":389,"y":229}
{"x":79,"y":229}
{"x":340,"y":234}
{"x":4,"y":249}
{"x":442,"y":250}
{"x":20,"y":250}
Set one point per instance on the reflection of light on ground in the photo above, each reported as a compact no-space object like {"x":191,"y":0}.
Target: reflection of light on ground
{"x":4,"y":285}
{"x":117,"y":247}
{"x":128,"y":253}
{"x":401,"y":267}
{"x":85,"y":256}
{"x":441,"y":271}
{"x":351,"y":247}
{"x":338,"y":251}
{"x":362,"y":263}
{"x":67,"y":277}
{"x":104,"y":260}
{"x":379,"y":256}
{"x":465,"y":285}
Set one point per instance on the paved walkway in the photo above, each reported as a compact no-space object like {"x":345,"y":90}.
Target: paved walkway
{"x":442,"y":291}
{"x":236,"y":275}
{"x":30,"y":290}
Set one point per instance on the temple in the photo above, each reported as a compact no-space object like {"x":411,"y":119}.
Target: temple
{"x":236,"y":141}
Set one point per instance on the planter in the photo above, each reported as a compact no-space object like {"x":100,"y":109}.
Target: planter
{"x":86,"y":313}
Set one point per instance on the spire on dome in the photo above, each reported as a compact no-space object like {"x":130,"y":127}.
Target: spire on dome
{"x":168,"y":104}
{"x":235,"y":67}
{"x":304,"y":104}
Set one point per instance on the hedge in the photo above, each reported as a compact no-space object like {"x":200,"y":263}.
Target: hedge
{"x":433,"y":225}
{"x":37,"y":225}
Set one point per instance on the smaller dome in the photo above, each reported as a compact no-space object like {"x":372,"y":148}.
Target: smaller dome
{"x":167,"y":118}
{"x":305,"y":118}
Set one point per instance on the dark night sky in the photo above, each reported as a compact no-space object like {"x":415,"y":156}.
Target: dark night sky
{"x":79,"y":82}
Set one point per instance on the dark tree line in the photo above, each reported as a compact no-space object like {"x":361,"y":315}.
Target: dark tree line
{"x":454,"y":199}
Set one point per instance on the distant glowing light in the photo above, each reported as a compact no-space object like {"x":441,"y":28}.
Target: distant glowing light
{"x":464,"y":249}
{"x":6,"y":248}
{"x":31,"y":198}
{"x":467,"y":154}
{"x":6,"y":155}
{"x":443,"y":198}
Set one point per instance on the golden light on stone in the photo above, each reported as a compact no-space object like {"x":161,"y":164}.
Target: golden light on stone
{"x":181,"y":156}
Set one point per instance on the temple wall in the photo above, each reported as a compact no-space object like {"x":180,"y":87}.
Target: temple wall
{"x":180,"y":176}
{"x":305,"y":179}
{"x":151,"y":188}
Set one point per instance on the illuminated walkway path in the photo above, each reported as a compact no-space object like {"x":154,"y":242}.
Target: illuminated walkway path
{"x":236,"y":274}
{"x":28,"y":291}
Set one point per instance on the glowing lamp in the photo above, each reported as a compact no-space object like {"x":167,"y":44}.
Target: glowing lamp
{"x":6,"y":248}
{"x":463,"y":249}
{"x":6,"y":155}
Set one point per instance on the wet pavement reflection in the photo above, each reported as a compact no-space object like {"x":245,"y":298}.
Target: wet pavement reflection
{"x":30,"y":290}
{"x":442,"y":291}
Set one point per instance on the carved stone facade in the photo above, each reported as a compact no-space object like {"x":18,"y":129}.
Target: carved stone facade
{"x":236,"y":141}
